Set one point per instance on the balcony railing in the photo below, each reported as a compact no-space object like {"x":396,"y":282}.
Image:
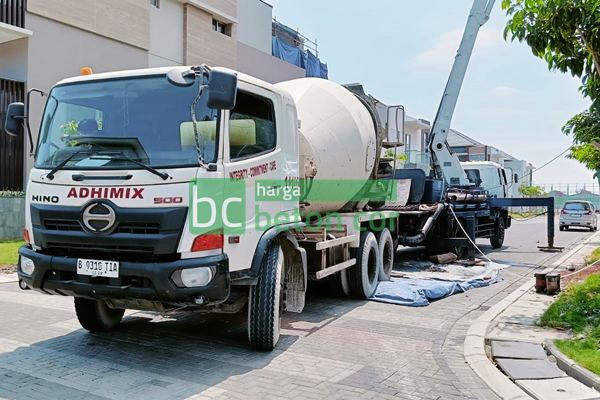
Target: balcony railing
{"x":418,"y":159}
{"x":12,"y":12}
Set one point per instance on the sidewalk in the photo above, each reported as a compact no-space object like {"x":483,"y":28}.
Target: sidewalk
{"x":508,"y":334}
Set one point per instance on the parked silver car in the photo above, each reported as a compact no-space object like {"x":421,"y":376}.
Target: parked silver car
{"x":578,"y":214}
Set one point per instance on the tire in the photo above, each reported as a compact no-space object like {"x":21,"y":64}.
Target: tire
{"x":96,"y":315}
{"x":363,"y":275}
{"x":385,"y":245}
{"x":591,"y":229}
{"x":562,"y":228}
{"x":566,"y":228}
{"x":266,"y":301}
{"x":339,"y":283}
{"x":497,"y":240}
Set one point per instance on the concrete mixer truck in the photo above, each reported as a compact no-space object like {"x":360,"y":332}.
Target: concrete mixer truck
{"x":197,"y":188}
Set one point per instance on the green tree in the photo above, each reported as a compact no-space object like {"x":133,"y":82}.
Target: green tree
{"x":565,"y":33}
{"x":585,"y":128}
{"x":532,"y":191}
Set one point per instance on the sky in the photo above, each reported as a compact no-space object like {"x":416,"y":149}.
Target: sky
{"x":402,"y":52}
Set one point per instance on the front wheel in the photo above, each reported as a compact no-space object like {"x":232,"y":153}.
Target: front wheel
{"x":266,"y":301}
{"x":96,"y":315}
{"x":497,"y":240}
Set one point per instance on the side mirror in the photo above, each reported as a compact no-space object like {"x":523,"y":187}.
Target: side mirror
{"x":15,"y":117}
{"x":222,"y":89}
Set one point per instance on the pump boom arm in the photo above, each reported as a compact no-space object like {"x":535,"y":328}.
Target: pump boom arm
{"x":445,"y":163}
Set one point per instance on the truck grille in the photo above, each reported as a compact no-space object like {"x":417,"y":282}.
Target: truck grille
{"x":91,"y":247}
{"x":146,"y":234}
{"x":140,"y":228}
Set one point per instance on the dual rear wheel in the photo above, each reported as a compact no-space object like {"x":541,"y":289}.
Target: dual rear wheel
{"x":374,"y":262}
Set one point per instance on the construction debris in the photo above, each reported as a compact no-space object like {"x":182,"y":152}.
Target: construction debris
{"x":446,"y":258}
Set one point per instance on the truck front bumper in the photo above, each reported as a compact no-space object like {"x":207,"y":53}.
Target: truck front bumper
{"x":145,"y":281}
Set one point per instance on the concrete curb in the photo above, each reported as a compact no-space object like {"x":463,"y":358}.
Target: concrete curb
{"x":8,"y":278}
{"x":474,"y":349}
{"x":571,"y":368}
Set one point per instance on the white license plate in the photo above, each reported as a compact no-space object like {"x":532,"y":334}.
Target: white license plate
{"x":576,"y":215}
{"x":110,"y":269}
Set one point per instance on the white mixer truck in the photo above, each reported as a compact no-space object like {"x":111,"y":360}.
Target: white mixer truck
{"x":112,"y":216}
{"x":170,"y":189}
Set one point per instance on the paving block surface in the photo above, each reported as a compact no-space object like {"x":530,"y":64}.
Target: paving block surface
{"x":558,"y":389}
{"x":529,"y":369}
{"x":518,"y":350}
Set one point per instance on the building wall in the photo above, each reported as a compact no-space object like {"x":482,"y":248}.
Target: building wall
{"x":166,"y":34}
{"x":264,"y":66}
{"x":127,"y":21}
{"x":254,"y":24}
{"x":13,"y":60}
{"x":228,"y":7}
{"x":203,"y":45}
{"x":57,"y":51}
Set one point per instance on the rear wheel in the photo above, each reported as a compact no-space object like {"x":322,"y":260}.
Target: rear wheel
{"x":566,"y":228}
{"x":562,"y":228}
{"x":266,"y":301}
{"x":386,"y":254}
{"x":497,"y":240}
{"x":362,"y":276}
{"x":96,"y":315}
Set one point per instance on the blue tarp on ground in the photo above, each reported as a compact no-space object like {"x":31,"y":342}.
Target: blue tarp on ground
{"x":416,"y":292}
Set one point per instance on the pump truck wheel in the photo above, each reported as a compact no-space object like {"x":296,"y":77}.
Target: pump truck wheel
{"x":386,"y":254}
{"x":96,"y":315}
{"x":497,"y":239}
{"x":362,"y":276}
{"x":266,"y":301}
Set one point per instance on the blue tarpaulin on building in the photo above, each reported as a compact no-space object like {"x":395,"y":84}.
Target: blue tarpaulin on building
{"x":288,"y":53}
{"x":314,"y":67}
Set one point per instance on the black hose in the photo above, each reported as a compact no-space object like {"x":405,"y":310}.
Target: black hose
{"x":419,"y":237}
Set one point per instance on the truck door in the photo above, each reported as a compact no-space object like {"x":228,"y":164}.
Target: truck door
{"x":252,"y":153}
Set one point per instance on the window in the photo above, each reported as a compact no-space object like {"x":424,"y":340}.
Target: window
{"x":221,"y":27}
{"x":577,"y":206}
{"x":251,"y":127}
{"x":407,"y":143}
{"x":146,"y":118}
{"x":155,"y":3}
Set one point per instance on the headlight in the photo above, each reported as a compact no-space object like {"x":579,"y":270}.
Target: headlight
{"x":27,"y":265}
{"x":196,"y":277}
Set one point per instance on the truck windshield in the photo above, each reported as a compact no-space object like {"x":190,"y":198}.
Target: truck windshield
{"x":146,"y":119}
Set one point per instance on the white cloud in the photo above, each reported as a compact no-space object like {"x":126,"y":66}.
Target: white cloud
{"x":444,"y":50}
{"x":505,"y":91}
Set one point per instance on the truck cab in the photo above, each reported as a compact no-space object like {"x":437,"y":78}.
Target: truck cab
{"x":489,"y":175}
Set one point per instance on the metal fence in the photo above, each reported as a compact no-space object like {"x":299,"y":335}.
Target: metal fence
{"x":11,"y":147}
{"x":12,"y":12}
{"x":563,"y":192}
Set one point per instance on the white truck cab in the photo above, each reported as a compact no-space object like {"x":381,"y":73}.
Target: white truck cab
{"x":491,"y":176}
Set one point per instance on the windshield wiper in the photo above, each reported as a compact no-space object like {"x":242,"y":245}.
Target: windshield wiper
{"x":120,"y":156}
{"x":62,"y":164}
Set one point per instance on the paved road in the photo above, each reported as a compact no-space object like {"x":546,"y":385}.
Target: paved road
{"x":337,"y":348}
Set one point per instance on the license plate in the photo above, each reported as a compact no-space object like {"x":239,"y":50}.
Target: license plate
{"x":109,"y":269}
{"x":576,"y":215}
